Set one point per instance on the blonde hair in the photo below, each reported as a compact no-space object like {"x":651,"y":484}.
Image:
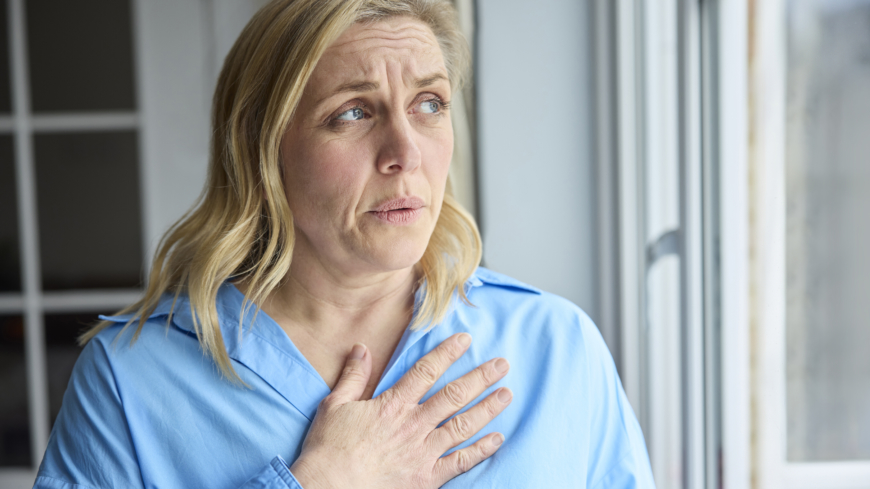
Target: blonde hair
{"x":242,"y":227}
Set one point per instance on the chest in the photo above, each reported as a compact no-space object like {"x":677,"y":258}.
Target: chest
{"x":545,"y":442}
{"x":328,"y":356}
{"x":200,"y":428}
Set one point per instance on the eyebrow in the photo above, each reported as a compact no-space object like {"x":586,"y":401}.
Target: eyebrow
{"x":357,"y":86}
{"x":429,"y":80}
{"x":370,"y":86}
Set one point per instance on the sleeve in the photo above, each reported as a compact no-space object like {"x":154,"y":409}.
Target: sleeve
{"x":617,"y":451}
{"x":90,"y":445}
{"x":276,"y":475}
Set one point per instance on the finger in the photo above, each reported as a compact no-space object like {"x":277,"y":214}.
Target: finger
{"x":463,"y":426}
{"x":423,"y":375}
{"x":354,"y":377}
{"x":461,"y":461}
{"x":457,"y":394}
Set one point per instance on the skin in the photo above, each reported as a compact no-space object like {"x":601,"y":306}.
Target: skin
{"x":373,"y":125}
{"x":352,"y":276}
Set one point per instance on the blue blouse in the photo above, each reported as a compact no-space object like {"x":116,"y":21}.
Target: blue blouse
{"x":159,"y":414}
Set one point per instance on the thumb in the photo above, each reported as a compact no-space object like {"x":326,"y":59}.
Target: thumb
{"x":354,"y":377}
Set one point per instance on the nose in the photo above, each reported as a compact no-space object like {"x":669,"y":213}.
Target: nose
{"x":399,"y":151}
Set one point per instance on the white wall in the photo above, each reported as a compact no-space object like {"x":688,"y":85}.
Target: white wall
{"x":181,"y":45}
{"x":535,"y":123}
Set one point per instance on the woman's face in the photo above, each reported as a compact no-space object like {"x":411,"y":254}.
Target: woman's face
{"x":368,"y":150}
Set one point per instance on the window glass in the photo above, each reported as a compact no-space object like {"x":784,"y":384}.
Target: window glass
{"x":62,"y":351}
{"x":828,"y":230}
{"x":89,"y":210}
{"x":10,"y":264}
{"x":5,"y":87}
{"x":14,"y":415}
{"x":81,"y":55}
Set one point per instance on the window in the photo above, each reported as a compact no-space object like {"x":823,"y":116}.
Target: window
{"x":810,"y":172}
{"x":104,"y":111}
{"x":69,"y":159}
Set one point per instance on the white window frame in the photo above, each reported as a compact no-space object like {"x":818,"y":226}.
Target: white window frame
{"x":665,"y":94}
{"x":32,"y":302}
{"x":734,"y":222}
{"x":720,"y":30}
{"x":179,"y":48}
{"x":768,"y":269}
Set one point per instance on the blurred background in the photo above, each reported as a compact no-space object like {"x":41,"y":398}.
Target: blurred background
{"x":695,"y":174}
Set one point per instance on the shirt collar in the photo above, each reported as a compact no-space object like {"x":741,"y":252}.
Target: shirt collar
{"x":261,"y":346}
{"x":264,"y":348}
{"x":483,"y":276}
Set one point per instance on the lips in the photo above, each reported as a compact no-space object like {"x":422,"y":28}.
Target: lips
{"x":400,"y":211}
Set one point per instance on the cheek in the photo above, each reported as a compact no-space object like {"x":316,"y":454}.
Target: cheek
{"x":322,"y":180}
{"x":440,"y":152}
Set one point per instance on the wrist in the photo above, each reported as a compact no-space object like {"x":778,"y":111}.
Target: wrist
{"x":310,"y":476}
{"x":303,"y":475}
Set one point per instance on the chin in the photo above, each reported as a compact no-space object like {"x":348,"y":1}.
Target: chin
{"x":398,"y":256}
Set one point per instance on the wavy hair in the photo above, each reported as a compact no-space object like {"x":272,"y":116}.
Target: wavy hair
{"x":241,"y":227}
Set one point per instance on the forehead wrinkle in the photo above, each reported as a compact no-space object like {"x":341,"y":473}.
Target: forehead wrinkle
{"x":423,"y":34}
{"x":374,"y":47}
{"x":369,"y":46}
{"x":367,"y":65}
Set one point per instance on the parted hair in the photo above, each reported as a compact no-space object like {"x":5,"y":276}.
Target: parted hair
{"x":241,"y":227}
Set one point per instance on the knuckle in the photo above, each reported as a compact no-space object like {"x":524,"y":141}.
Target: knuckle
{"x":390,"y":407}
{"x":455,"y":350}
{"x":488,"y":373}
{"x":352,"y":374}
{"x":463,"y":461}
{"x":389,"y":396}
{"x":454,"y":393}
{"x":484,"y":450}
{"x":425,"y":371}
{"x":492,"y":408}
{"x":409,"y":429}
{"x":326,"y":403}
{"x":460,"y":427}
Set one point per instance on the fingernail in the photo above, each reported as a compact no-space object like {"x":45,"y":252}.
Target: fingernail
{"x":497,"y":440}
{"x":358,"y":351}
{"x":464,"y":339}
{"x":504,"y":395}
{"x":501,"y":365}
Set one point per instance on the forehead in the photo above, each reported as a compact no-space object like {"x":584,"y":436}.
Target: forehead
{"x":364,"y":48}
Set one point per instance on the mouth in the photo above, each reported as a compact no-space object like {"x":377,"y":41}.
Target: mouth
{"x":400,"y":211}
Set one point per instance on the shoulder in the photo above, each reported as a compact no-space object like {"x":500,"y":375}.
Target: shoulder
{"x":143,"y":353}
{"x":511,"y":307}
{"x":558,"y":358}
{"x":126,"y":333}
{"x":509,"y":297}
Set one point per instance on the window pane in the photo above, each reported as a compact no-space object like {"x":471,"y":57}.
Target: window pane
{"x":14,"y":416}
{"x":89,"y":217}
{"x":828,"y":230}
{"x":5,"y":88}
{"x":61,"y":331}
{"x":81,"y":55}
{"x":10,"y":265}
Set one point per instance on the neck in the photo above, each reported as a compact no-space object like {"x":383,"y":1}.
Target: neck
{"x":325,"y":311}
{"x":325,"y":303}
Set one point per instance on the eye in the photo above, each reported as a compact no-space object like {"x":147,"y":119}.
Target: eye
{"x":432,"y":106}
{"x":354,"y":114}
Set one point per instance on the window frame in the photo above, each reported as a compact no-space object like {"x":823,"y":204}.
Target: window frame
{"x":178,"y":48}
{"x":767,"y":223}
{"x":32,"y":302}
{"x":713,"y":243}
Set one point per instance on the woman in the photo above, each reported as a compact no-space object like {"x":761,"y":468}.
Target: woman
{"x":332,"y":283}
